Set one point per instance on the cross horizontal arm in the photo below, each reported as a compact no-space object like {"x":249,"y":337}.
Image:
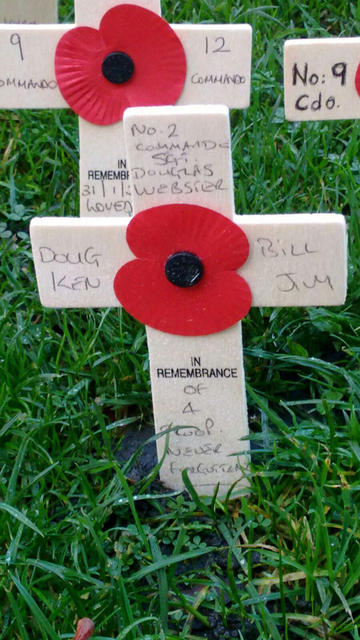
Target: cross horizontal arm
{"x":320,"y":79}
{"x":27,"y":76}
{"x":294,"y":260}
{"x":218,"y":65}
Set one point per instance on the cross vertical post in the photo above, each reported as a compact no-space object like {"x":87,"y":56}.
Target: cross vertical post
{"x":197,"y":381}
{"x":180,"y":157}
{"x":218,"y":69}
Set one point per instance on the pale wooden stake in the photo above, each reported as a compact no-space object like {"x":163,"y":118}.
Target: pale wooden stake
{"x":218,"y":71}
{"x":295,"y":260}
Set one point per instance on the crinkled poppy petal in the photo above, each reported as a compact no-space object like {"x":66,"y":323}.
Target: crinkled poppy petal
{"x":156,"y":51}
{"x":216,"y":303}
{"x":78,"y":60}
{"x":164,"y":230}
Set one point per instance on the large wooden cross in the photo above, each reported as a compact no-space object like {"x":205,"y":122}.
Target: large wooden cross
{"x":181,"y":157}
{"x":28,"y":11}
{"x":218,"y":59}
{"x":322,"y":79}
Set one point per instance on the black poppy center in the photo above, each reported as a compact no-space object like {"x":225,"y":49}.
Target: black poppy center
{"x":118,"y":67}
{"x":184,"y":269}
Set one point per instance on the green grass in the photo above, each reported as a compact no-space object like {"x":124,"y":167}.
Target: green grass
{"x":77,"y":538}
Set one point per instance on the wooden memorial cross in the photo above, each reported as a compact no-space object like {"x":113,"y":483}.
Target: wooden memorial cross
{"x":188,"y":64}
{"x":185,"y":285}
{"x":28,"y":11}
{"x":322,"y":79}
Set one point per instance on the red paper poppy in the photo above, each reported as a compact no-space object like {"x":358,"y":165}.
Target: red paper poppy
{"x":184,"y":280}
{"x":134,"y":59}
{"x":357,"y":79}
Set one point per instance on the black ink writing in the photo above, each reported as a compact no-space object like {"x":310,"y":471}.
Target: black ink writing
{"x":197,"y":372}
{"x":198,"y":432}
{"x":111,"y":197}
{"x":78,"y":283}
{"x":317,"y":280}
{"x":121,"y":174}
{"x":305,"y":77}
{"x":177,"y":188}
{"x":190,"y":409}
{"x":118,"y":206}
{"x":28,"y":84}
{"x":206,"y":449}
{"x":303,"y":103}
{"x":172,"y":131}
{"x":162,"y":160}
{"x":338,"y":70}
{"x":48,"y":255}
{"x":143,"y":129}
{"x":202,"y":469}
{"x":191,"y":390}
{"x":213,"y":78}
{"x":313,"y":79}
{"x":15,"y":40}
{"x":202,"y":145}
{"x":118,"y":188}
{"x":291,"y":282}
{"x":219,"y":47}
{"x":274,"y":249}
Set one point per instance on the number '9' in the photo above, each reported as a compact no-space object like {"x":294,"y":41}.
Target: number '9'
{"x":339,"y":71}
{"x":15,"y":40}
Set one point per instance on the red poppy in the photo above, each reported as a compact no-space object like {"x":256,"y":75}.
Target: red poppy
{"x":134,"y":59}
{"x":184,"y":280}
{"x":357,"y":79}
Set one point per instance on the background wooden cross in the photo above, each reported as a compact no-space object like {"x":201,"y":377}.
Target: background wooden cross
{"x":28,"y":81}
{"x":295,"y":260}
{"x":28,"y":11}
{"x":322,"y":79}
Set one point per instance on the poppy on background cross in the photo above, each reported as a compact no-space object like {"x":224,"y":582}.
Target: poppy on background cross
{"x":120,"y":54}
{"x":190,"y":269}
